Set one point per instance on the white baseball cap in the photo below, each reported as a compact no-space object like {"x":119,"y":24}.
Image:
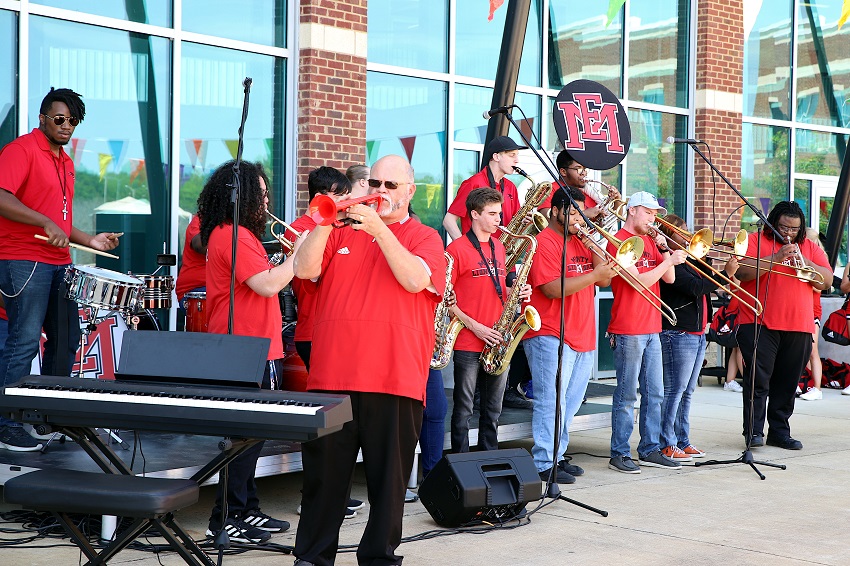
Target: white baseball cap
{"x":646,"y":200}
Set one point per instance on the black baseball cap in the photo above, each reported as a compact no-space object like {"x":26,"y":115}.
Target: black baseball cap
{"x":500,"y":144}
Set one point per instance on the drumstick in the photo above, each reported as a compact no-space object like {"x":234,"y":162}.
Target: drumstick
{"x":81,"y":248}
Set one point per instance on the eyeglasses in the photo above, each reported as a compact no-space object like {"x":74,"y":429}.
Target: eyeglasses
{"x":788,"y":229}
{"x":59,"y":119}
{"x":391,"y":185}
{"x":580,"y":169}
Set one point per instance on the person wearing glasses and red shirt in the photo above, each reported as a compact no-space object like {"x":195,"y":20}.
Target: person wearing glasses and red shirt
{"x":575,"y":175}
{"x":37,"y":182}
{"x":783,"y":331}
{"x":378,"y":283}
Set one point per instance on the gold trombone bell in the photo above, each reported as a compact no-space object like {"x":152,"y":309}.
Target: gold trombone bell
{"x":287,"y":246}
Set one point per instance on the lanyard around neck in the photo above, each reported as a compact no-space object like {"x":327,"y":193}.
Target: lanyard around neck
{"x":492,"y":267}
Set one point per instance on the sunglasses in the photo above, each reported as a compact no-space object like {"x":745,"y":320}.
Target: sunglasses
{"x":60,"y":119}
{"x":391,"y":185}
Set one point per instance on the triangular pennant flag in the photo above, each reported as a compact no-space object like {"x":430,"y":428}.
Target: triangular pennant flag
{"x":269,"y":146}
{"x":613,"y":9}
{"x":441,"y":139}
{"x":77,"y":145}
{"x":765,"y":204}
{"x":201,"y":148}
{"x":372,"y":151}
{"x":117,"y":147}
{"x":495,"y":5}
{"x":137,"y":168}
{"x":482,"y":133}
{"x":527,"y":127}
{"x":408,"y":144}
{"x":845,"y":13}
{"x":104,"y":159}
{"x":192,"y":151}
{"x":232,"y":147}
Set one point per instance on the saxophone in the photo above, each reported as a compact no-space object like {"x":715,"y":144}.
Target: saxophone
{"x":495,"y":359}
{"x":518,"y":225}
{"x":446,"y":332}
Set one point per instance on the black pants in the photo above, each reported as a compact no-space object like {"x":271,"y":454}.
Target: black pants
{"x":386,"y":428}
{"x":518,"y":372}
{"x":780,"y":360}
{"x":303,"y":348}
{"x":241,"y":485}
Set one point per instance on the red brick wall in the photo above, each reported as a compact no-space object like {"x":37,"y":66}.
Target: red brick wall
{"x":720,"y":58}
{"x":331,"y":94}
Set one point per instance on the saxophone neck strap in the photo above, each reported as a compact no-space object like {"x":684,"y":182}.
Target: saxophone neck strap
{"x":492,"y":266}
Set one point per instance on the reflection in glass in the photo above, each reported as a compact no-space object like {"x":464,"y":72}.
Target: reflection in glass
{"x":409,"y":33}
{"x":658,"y":52}
{"x":825,"y":205}
{"x":8,"y":77}
{"x":581,"y":47}
{"x":654,"y":165}
{"x":822,"y":74}
{"x":466,"y":164}
{"x":765,"y":168}
{"x":121,"y":149}
{"x":258,"y":21}
{"x":211,"y":111}
{"x":816,"y":152}
{"x":407,"y":116}
{"x":470,"y":102}
{"x":156,"y":12}
{"x":479,"y":42}
{"x":767,"y":58}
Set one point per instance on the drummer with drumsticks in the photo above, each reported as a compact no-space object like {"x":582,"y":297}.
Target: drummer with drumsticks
{"x":37,"y":182}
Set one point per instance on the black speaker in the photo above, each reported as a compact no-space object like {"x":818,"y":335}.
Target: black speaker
{"x":485,"y":486}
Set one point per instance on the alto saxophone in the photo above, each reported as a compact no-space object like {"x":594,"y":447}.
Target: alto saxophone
{"x":446,"y":332}
{"x":495,"y":359}
{"x":518,"y":224}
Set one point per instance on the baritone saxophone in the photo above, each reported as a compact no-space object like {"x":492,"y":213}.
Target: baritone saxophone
{"x":446,"y":326}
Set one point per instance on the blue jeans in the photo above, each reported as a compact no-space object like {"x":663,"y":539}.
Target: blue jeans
{"x":4,"y":332}
{"x":682,"y":354}
{"x":542,"y":354}
{"x":433,"y":434}
{"x":468,"y":373}
{"x":637,"y":360}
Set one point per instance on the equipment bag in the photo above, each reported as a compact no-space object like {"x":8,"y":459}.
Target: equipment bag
{"x":835,"y":328}
{"x":724,"y":326}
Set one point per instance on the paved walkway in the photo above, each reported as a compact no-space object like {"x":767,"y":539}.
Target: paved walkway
{"x":716,"y":515}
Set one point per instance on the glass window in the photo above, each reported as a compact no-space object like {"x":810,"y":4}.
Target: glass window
{"x":8,"y":77}
{"x":407,"y":116}
{"x":211,"y":110}
{"x":156,"y":12}
{"x":258,"y":21}
{"x":819,"y":153}
{"x":409,"y":33}
{"x":470,"y":102}
{"x":767,"y":59}
{"x":658,"y":52}
{"x":654,"y":165}
{"x":581,"y":47}
{"x":765,"y":169}
{"x":479,"y":42}
{"x":822,"y":72}
{"x":121,"y":149}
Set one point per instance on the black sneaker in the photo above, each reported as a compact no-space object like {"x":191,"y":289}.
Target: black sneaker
{"x":355,"y":504}
{"x":560,"y":476}
{"x":257,"y":518}
{"x":786,"y":442}
{"x":658,"y":460}
{"x":571,"y":469}
{"x":16,"y":439}
{"x":241,"y":532}
{"x":757,"y":441}
{"x":623,"y":464}
{"x":514,"y":400}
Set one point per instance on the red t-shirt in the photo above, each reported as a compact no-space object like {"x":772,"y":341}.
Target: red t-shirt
{"x":589,"y":201}
{"x":579,"y":317}
{"x":631,"y":313}
{"x":788,"y":302}
{"x":474,"y":289}
{"x":818,"y":307}
{"x":30,"y":171}
{"x":193,"y":271}
{"x":3,"y":314}
{"x":369,"y":333}
{"x":304,"y":289}
{"x":478,"y":181}
{"x":253,"y":314}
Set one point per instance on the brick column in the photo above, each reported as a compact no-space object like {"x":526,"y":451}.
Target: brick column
{"x":719,"y":105}
{"x":331,"y":87}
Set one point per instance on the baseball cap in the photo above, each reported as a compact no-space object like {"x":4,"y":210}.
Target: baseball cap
{"x":500,"y":144}
{"x":646,"y":200}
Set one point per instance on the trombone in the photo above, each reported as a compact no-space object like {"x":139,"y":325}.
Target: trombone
{"x":698,"y":246}
{"x":287,"y":246}
{"x":628,"y":253}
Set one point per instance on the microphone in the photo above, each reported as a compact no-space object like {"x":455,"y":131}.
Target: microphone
{"x":688,"y":141}
{"x":500,"y":110}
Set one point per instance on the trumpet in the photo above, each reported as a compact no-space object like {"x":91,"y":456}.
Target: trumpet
{"x":802,"y":271}
{"x":323,"y":209}
{"x":628,"y":252}
{"x":612,"y":208}
{"x":698,"y":246}
{"x":287,"y":246}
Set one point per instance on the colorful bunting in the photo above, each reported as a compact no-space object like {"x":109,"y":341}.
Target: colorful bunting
{"x":613,"y":9}
{"x":104,"y":159}
{"x":845,"y":13}
{"x":232,"y":147}
{"x":495,"y":5}
{"x":372,"y":151}
{"x":137,"y":168}
{"x":269,"y":146}
{"x":77,"y":145}
{"x":408,"y":143}
{"x":118,"y":148}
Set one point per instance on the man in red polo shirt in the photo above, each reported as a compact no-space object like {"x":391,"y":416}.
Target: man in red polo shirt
{"x":373,"y":335}
{"x":502,"y":153}
{"x":37,"y":182}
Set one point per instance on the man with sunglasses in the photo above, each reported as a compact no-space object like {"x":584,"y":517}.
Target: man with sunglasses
{"x":575,"y":175}
{"x":377,"y":286}
{"x":37,"y":182}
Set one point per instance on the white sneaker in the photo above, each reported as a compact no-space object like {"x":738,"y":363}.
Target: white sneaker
{"x":813,"y":394}
{"x":732,"y":386}
{"x":846,"y":390}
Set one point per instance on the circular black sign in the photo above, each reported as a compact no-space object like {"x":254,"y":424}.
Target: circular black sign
{"x":592,"y":124}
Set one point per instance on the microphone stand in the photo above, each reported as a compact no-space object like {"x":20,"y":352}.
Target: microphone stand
{"x":552,"y":489}
{"x":222,"y":540}
{"x":746,"y":456}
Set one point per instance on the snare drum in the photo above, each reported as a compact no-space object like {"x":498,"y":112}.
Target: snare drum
{"x":103,"y":289}
{"x":156,"y":293}
{"x":196,"y":313}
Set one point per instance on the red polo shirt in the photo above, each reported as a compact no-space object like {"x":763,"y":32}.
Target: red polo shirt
{"x":193,"y":271}
{"x":510,"y":206}
{"x":30,"y":171}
